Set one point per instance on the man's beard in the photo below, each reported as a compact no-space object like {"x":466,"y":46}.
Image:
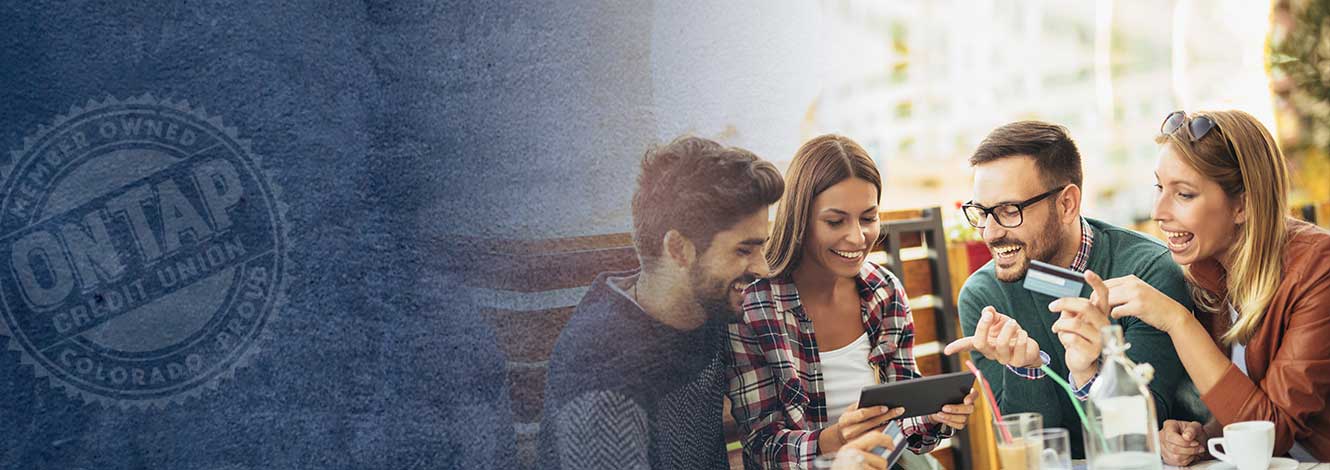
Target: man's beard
{"x":713,"y":295}
{"x":1046,"y":245}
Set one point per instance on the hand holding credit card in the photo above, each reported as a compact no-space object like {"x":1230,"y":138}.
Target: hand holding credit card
{"x":876,"y":449}
{"x":893,"y":430}
{"x":1053,"y":281}
{"x":1080,"y":319}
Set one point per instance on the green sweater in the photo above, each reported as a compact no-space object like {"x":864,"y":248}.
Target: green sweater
{"x":1116,"y":252}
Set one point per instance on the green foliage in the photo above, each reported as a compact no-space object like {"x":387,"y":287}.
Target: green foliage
{"x":1299,"y":61}
{"x":1303,"y":56}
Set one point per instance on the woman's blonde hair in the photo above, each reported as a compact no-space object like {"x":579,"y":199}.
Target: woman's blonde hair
{"x":819,"y":164}
{"x":1240,"y":155}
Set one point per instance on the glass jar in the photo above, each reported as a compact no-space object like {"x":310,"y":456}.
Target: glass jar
{"x":1121,"y":432}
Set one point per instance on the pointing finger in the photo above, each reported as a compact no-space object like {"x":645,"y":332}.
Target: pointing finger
{"x":960,"y":345}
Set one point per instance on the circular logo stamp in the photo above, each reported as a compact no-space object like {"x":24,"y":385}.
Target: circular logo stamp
{"x":145,"y":251}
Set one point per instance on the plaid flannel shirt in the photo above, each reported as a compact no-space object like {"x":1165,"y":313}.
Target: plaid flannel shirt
{"x":775,"y":377}
{"x":1079,"y":264}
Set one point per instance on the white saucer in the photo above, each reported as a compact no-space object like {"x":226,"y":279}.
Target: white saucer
{"x":1277,"y":463}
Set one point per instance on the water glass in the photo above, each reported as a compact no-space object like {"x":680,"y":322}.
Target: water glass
{"x":1056,"y":454}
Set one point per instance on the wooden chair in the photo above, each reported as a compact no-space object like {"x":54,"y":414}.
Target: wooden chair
{"x":913,"y":246}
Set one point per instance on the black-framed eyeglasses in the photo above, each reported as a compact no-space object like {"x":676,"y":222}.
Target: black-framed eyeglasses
{"x":1009,"y":215}
{"x":1199,"y":125}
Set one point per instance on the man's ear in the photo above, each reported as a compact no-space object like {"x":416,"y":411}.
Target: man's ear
{"x":679,"y":248}
{"x":1069,"y":203}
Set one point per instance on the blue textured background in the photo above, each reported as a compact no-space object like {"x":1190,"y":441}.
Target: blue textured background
{"x":365,"y":115}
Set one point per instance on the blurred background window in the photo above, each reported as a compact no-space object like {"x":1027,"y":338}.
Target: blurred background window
{"x":919,"y":84}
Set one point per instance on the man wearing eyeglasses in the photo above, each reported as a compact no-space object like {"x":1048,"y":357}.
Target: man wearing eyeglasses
{"x":1027,"y":202}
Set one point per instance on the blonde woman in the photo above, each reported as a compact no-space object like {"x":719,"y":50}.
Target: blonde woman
{"x":827,"y":322}
{"x":1258,"y":346}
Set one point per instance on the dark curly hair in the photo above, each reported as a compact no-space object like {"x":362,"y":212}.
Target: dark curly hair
{"x":700,"y":188}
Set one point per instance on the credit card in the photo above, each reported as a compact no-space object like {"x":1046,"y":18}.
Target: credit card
{"x":893,"y":430}
{"x":1053,"y":281}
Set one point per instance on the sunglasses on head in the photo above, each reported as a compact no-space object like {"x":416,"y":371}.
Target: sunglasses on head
{"x":1199,"y":125}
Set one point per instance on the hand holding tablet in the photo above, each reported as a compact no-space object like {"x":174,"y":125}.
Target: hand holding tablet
{"x":921,"y":396}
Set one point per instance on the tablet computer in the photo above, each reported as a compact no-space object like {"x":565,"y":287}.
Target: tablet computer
{"x":921,"y":396}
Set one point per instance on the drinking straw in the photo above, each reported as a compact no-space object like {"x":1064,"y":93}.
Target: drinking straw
{"x":1076,"y":403}
{"x":988,"y":392}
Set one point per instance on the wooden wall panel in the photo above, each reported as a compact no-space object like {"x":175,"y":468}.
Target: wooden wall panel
{"x":946,"y":457}
{"x":930,"y":364}
{"x":918,"y":277}
{"x":925,"y":325}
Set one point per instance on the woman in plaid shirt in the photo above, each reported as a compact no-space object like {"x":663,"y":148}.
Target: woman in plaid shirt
{"x":827,"y":322}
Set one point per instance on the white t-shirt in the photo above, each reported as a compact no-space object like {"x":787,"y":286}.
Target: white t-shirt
{"x":1239,"y":357}
{"x":845,"y":372}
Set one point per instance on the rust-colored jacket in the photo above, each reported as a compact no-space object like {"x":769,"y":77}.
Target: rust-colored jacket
{"x":1288,"y":358}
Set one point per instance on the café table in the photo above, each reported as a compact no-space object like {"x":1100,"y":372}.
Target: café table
{"x":1079,"y":464}
{"x":1216,"y":465}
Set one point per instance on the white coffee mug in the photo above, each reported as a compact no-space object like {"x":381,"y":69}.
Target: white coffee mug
{"x":1247,"y":445}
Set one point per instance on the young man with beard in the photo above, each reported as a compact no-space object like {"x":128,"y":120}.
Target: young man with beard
{"x":637,"y":377}
{"x":1027,"y":202}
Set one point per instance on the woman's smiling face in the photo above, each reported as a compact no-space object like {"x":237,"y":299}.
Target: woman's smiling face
{"x":1197,"y":218}
{"x":843,"y":228}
